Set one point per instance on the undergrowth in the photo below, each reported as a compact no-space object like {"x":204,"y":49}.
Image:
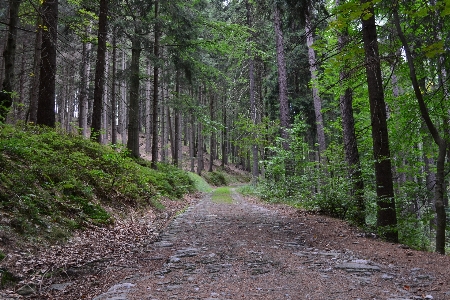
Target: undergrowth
{"x":52,"y":183}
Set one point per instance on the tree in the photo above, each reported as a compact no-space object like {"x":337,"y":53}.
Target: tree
{"x":47,"y":75}
{"x":253,"y":112}
{"x":440,"y":141}
{"x":9,"y":54}
{"x":282,"y":76}
{"x":99,"y":81}
{"x":155,"y":89}
{"x":309,"y":31}
{"x":386,"y":213}
{"x":349,"y":136}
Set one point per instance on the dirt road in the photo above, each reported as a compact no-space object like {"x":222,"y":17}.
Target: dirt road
{"x":244,"y":250}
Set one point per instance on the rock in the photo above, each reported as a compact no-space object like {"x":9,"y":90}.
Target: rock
{"x":26,"y":290}
{"x":61,"y":286}
{"x":357,"y":267}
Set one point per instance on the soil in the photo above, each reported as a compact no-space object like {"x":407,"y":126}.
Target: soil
{"x":243,"y":250}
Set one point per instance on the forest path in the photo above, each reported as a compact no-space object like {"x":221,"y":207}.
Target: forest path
{"x":244,"y":250}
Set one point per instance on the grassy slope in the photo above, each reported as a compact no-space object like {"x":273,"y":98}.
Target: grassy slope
{"x":52,"y":183}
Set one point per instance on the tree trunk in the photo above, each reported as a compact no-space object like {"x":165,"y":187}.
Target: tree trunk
{"x":9,"y":56}
{"x":148,"y":117}
{"x":34,"y":86}
{"x":200,"y":137}
{"x":212,"y":142}
{"x":133,"y":110}
{"x":192,"y":142}
{"x":386,"y":213}
{"x":177,"y":133}
{"x":224,"y":134}
{"x":47,"y":76}
{"x":123,"y":104}
{"x":253,"y":112}
{"x":113,"y":91}
{"x":282,"y":78}
{"x":85,"y":71}
{"x":350,"y":141}
{"x":104,"y":131}
{"x":155,"y":90}
{"x":438,"y":139}
{"x":315,"y":91}
{"x":99,"y":81}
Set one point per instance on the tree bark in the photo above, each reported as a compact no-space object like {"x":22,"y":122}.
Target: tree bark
{"x":350,"y":141}
{"x":315,"y":91}
{"x":113,"y":91}
{"x":200,"y":137}
{"x":9,"y":56}
{"x":133,"y":110}
{"x":386,"y":213}
{"x":177,"y":131}
{"x":155,"y":90}
{"x":99,"y":80}
{"x":85,"y":71}
{"x":47,"y":75}
{"x":441,"y":142}
{"x":104,"y":131}
{"x":253,"y":111}
{"x":34,"y":86}
{"x":148,"y":117}
{"x":282,"y":78}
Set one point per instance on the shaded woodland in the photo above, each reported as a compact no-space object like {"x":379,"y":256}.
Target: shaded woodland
{"x":337,"y":106}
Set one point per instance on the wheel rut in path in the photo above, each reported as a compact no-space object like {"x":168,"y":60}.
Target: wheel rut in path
{"x":243,"y":250}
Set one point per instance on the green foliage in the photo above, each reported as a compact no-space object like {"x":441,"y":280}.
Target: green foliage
{"x":53,"y":183}
{"x":216,"y":178}
{"x":199,"y":183}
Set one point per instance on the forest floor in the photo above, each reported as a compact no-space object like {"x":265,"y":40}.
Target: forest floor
{"x":243,"y":249}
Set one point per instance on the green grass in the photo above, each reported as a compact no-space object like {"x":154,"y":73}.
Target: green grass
{"x":52,"y":183}
{"x":199,"y":182}
{"x":222,"y":195}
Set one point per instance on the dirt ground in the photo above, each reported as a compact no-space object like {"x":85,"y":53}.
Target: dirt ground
{"x":243,"y":250}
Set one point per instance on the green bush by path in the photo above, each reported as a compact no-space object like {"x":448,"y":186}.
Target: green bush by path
{"x":51,"y":182}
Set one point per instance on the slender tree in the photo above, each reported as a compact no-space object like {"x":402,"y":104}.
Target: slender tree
{"x":440,"y":141}
{"x":386,"y":213}
{"x":99,"y":81}
{"x":282,"y":76}
{"x":155,"y":89}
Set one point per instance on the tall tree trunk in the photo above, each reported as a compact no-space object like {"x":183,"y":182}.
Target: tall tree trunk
{"x":47,"y":76}
{"x":200,"y":137}
{"x":34,"y":86}
{"x":155,"y":89}
{"x":133,"y":110}
{"x":282,"y":77}
{"x":123,"y":104}
{"x":177,"y":125}
{"x":85,"y":71}
{"x":386,"y":214}
{"x":113,"y":91}
{"x":315,"y":91}
{"x":99,"y":80}
{"x":350,"y":141}
{"x":224,"y":134}
{"x":253,"y":112}
{"x":440,"y":141}
{"x":104,"y":131}
{"x":9,"y":56}
{"x":148,"y":117}
{"x":212,"y":142}
{"x":192,"y":141}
